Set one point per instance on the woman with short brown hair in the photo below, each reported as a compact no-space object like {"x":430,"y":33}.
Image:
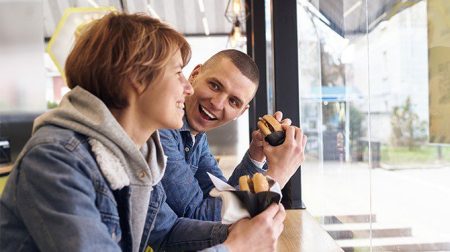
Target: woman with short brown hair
{"x":89,"y":177}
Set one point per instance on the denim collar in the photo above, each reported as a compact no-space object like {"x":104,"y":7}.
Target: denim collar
{"x":187,"y":128}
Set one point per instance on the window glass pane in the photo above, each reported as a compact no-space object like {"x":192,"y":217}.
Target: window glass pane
{"x":22,"y":78}
{"x":335,"y":188}
{"x":269,"y":58}
{"x":372,"y":176}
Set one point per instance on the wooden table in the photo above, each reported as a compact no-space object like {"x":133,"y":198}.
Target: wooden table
{"x":5,"y":169}
{"x":303,"y":233}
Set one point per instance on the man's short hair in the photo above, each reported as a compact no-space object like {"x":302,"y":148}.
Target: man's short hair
{"x":242,"y":61}
{"x":119,"y":49}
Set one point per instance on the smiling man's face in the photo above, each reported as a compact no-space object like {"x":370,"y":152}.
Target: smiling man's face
{"x":221,"y":94}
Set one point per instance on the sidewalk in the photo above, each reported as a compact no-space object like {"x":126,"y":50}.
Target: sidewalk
{"x":417,"y":198}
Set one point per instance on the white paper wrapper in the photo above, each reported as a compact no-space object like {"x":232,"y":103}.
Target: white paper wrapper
{"x":239,"y":204}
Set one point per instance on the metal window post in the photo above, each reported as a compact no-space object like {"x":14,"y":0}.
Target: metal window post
{"x":285,"y":51}
{"x":256,"y":48}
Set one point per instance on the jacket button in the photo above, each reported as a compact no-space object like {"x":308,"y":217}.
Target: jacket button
{"x":142,"y":174}
{"x":186,"y":149}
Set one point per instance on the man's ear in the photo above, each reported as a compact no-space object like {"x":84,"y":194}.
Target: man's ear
{"x":245,"y":109}
{"x":195,"y":72}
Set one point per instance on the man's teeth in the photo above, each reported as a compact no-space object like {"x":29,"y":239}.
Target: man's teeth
{"x":208,"y":114}
{"x":180,"y":105}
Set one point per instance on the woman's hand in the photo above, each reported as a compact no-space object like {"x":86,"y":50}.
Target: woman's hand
{"x":259,"y":233}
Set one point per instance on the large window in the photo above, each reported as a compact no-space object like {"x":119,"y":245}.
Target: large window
{"x":372,"y":176}
{"x":22,"y":77}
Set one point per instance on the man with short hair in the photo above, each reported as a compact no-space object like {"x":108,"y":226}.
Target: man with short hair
{"x":223,"y":88}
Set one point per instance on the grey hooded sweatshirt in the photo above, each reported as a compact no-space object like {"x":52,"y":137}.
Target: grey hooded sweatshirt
{"x":120,"y":160}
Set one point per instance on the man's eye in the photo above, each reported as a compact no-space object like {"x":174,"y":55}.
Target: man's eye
{"x":234,"y":103}
{"x":214,"y":86}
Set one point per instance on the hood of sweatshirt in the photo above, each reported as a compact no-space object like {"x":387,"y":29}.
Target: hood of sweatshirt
{"x":84,"y":113}
{"x":120,"y":160}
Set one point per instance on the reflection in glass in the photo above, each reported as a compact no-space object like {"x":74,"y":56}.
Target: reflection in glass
{"x":371,"y":177}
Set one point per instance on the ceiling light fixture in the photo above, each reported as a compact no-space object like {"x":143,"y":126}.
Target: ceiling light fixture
{"x":205,"y":26}
{"x":236,"y":15}
{"x":237,"y":38}
{"x":93,"y":3}
{"x":201,"y":6}
{"x":152,"y":12}
{"x":235,"y":10}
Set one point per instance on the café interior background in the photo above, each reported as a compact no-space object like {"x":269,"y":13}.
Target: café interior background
{"x":374,"y":96}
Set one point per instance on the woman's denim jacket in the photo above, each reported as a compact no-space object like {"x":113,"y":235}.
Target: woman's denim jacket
{"x":56,"y":199}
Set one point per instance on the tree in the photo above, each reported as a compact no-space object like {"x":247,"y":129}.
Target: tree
{"x":407,"y":130}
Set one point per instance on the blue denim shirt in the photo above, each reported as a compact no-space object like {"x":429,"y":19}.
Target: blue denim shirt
{"x":56,"y":199}
{"x":185,"y":180}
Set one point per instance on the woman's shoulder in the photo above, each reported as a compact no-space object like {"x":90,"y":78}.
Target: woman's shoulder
{"x":56,"y":144}
{"x":58,"y":151}
{"x":57,"y":137}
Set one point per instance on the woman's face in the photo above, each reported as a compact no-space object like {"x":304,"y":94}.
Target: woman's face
{"x":162,"y":103}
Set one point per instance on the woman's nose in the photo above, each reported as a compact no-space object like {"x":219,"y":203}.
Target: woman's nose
{"x":188,"y":89}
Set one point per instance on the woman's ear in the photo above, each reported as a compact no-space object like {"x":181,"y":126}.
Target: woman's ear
{"x":138,"y":88}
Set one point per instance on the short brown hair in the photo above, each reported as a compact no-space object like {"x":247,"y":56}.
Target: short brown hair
{"x":242,"y":61}
{"x":120,"y":48}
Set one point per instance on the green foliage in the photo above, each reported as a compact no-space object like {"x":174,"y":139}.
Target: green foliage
{"x":356,"y":120}
{"x":407,"y":130}
{"x":51,"y":104}
{"x":419,"y":155}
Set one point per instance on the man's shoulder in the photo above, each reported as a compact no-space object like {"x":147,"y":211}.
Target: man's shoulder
{"x":203,"y":138}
